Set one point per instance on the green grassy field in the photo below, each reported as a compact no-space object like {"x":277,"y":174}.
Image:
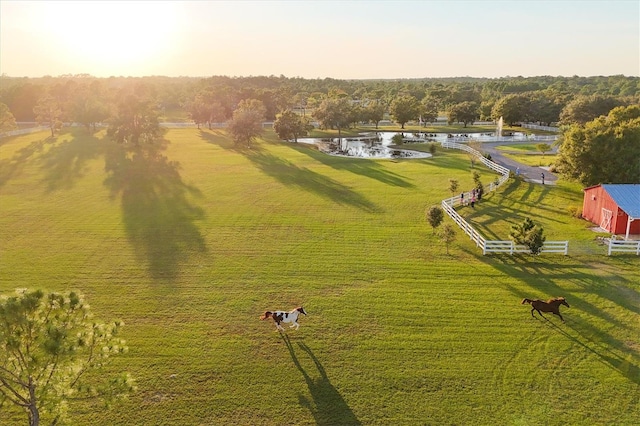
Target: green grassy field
{"x":190,"y":246}
{"x":527,"y":154}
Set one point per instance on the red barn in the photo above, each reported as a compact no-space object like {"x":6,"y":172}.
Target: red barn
{"x":614,"y":207}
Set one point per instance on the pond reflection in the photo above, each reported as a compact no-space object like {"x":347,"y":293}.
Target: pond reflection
{"x":380,"y":144}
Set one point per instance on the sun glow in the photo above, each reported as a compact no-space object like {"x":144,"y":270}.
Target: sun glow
{"x":111,"y":38}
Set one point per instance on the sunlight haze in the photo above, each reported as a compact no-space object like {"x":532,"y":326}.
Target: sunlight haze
{"x":318,"y":39}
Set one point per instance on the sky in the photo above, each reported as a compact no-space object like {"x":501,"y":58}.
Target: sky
{"x":318,"y":39}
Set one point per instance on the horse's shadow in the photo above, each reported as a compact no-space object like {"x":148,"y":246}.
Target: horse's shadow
{"x":327,"y":405}
{"x":623,"y":366}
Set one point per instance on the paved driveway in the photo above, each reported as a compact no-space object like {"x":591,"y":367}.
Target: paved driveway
{"x":529,"y":173}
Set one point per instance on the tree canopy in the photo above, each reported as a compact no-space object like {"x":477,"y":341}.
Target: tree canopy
{"x":435,"y":216}
{"x":464,"y":112}
{"x":333,"y":113}
{"x":7,"y":120}
{"x":605,"y":150}
{"x":404,"y":109}
{"x":48,"y":341}
{"x":246,"y":123}
{"x":585,"y":108}
{"x":136,"y":119}
{"x":290,"y":125}
{"x":49,"y":113}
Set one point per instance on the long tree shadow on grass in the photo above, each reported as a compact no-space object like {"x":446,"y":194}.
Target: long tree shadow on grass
{"x":327,"y":405}
{"x":159,"y":218}
{"x":611,"y":351}
{"x":361,"y":166}
{"x":11,"y":167}
{"x":308,"y":180}
{"x":65,"y":162}
{"x":216,"y":137}
{"x":624,"y":366}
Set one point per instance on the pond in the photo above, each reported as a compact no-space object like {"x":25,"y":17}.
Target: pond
{"x":379,"y":144}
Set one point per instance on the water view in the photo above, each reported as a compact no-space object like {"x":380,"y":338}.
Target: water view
{"x":380,"y":144}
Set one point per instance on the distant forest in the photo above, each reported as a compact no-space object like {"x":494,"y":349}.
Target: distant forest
{"x":544,"y":99}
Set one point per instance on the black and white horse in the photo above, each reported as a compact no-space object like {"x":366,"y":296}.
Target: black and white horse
{"x":285,"y":317}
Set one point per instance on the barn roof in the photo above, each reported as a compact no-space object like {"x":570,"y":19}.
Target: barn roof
{"x":626,"y":196}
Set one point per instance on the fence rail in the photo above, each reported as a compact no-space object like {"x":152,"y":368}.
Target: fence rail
{"x":491,"y":246}
{"x":624,"y":246}
{"x":538,"y":127}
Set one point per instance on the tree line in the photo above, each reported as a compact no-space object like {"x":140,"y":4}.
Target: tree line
{"x":133,"y":107}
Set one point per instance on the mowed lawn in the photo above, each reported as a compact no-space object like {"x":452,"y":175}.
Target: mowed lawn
{"x":191,"y":244}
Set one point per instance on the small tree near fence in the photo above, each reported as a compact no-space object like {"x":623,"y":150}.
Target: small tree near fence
{"x":447,"y":235}
{"x":528,"y":234}
{"x":435,"y":215}
{"x":453,"y":186}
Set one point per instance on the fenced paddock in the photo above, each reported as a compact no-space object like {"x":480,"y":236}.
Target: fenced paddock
{"x":624,"y":246}
{"x":491,"y":246}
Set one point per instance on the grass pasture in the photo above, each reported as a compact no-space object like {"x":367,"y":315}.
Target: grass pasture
{"x":527,"y":154}
{"x":191,"y":244}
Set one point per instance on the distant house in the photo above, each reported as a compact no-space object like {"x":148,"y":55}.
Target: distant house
{"x":613,"y":207}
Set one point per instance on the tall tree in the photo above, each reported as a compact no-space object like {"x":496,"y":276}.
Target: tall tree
{"x":605,"y":150}
{"x":22,"y":98}
{"x":89,"y":106}
{"x":289,"y":125}
{"x":585,"y":108}
{"x":7,"y":120}
{"x":428,"y":110}
{"x":136,"y":120}
{"x":48,"y":342}
{"x":49,"y":113}
{"x":246,"y":123}
{"x":544,"y":107}
{"x":404,"y":109}
{"x":334,"y":113}
{"x":463,"y":112}
{"x":374,"y":111}
{"x":198,"y":110}
{"x":512,"y":108}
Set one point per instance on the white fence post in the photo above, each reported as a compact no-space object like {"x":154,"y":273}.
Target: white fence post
{"x":624,"y":246}
{"x":495,"y":246}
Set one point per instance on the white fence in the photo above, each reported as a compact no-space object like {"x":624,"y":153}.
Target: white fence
{"x":538,"y":127}
{"x":24,"y":131}
{"x":624,"y":246}
{"x":489,"y":246}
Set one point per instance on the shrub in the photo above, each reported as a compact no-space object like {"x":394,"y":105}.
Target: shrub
{"x":528,"y":234}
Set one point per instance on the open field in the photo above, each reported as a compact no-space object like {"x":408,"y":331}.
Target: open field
{"x":191,"y":245}
{"x":527,"y":154}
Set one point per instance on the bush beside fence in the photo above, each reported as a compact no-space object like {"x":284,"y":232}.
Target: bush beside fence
{"x":491,"y":246}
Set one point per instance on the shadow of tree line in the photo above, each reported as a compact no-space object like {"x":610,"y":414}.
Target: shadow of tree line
{"x":11,"y":167}
{"x":290,"y":174}
{"x":159,"y":218}
{"x":326,"y":405}
{"x":614,"y":353}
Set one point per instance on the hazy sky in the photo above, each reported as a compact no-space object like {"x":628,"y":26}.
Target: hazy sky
{"x":317,"y":39}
